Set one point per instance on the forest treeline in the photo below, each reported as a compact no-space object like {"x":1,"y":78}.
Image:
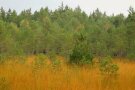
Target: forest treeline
{"x":55,"y":32}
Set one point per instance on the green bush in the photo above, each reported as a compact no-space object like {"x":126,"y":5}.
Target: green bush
{"x":81,"y":53}
{"x":107,"y":67}
{"x":81,"y":57}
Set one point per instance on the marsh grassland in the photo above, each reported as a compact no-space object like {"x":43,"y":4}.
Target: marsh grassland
{"x":58,"y":75}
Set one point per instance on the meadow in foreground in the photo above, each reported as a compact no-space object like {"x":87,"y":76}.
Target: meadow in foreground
{"x":58,"y":75}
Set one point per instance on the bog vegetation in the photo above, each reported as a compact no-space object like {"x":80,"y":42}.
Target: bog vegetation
{"x":38,"y":73}
{"x":31,"y":42}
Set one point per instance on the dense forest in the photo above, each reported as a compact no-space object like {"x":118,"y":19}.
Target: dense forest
{"x":60,"y":31}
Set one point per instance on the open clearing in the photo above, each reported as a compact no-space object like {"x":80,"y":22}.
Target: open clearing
{"x":26,"y":76}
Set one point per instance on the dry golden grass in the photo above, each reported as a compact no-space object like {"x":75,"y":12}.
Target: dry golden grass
{"x":20,"y":76}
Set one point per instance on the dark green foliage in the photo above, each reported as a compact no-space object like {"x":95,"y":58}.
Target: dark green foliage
{"x":52,"y":33}
{"x":130,"y":33}
{"x":81,"y":53}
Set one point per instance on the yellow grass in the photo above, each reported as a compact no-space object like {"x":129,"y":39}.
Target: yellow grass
{"x":20,"y":76}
